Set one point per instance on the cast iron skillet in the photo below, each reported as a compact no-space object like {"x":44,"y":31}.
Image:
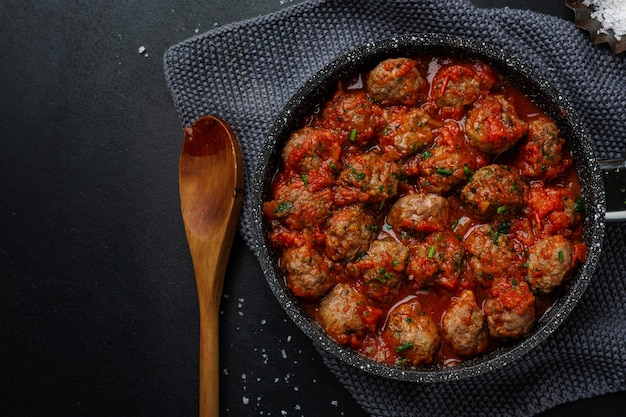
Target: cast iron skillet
{"x":528,"y":81}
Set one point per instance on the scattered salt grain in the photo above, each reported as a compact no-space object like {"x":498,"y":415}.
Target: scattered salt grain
{"x":245,"y":400}
{"x":611,"y":14}
{"x":142,"y":51}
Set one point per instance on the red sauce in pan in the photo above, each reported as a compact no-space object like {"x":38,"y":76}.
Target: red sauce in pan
{"x":427,"y":212}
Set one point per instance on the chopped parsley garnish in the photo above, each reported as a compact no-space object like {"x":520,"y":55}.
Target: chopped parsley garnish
{"x":431,"y":252}
{"x":404,"y":347}
{"x":579,"y":205}
{"x":504,"y":228}
{"x":284,"y":207}
{"x":353,"y":135}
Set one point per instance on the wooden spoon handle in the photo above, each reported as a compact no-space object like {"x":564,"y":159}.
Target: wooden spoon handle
{"x":209,"y":362}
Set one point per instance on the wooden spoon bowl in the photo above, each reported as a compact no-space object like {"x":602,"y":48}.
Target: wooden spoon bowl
{"x":211,"y":191}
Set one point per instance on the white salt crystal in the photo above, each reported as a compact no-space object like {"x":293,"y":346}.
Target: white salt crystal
{"x":611,"y":14}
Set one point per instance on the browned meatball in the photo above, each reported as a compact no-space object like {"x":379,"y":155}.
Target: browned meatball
{"x":366,"y":178}
{"x":494,"y":190}
{"x":420,"y":213}
{"x":448,"y":163}
{"x":306,"y":272}
{"x":408,"y":131}
{"x":341,"y":314}
{"x":543,"y":154}
{"x":353,"y":115}
{"x":349,"y":232}
{"x":459,"y":85}
{"x":436,"y":260}
{"x":464,"y":325}
{"x":383,"y":267}
{"x":297,"y":206}
{"x":396,"y":81}
{"x":491,"y":255}
{"x":309,"y":149}
{"x":492,"y":125}
{"x":549,"y":263}
{"x":510,"y":309}
{"x":412,"y":333}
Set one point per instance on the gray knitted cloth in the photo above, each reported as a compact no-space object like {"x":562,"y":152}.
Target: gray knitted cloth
{"x":246,"y":72}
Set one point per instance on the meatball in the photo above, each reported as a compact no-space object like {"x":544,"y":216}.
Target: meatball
{"x":549,"y":263}
{"x":437,"y":260}
{"x":491,"y":254}
{"x":460,"y":85}
{"x":465,"y":326}
{"x":353,"y":115}
{"x":412,"y":333}
{"x":543,"y":154}
{"x":297,"y":206}
{"x":345,"y":315}
{"x":306,"y":272}
{"x":510,"y":309}
{"x":448,"y":163}
{"x":383,"y":267}
{"x":366,"y":178}
{"x":420,"y":213}
{"x":492,"y":125}
{"x":309,"y":149}
{"x":349,"y":232}
{"x":396,"y":81}
{"x":494,"y":190}
{"x":407,"y":132}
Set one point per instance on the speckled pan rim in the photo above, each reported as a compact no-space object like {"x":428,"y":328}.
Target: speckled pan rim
{"x":583,"y":20}
{"x":527,"y":79}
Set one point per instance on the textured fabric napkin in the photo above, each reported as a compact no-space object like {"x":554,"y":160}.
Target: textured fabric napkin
{"x":245,"y":72}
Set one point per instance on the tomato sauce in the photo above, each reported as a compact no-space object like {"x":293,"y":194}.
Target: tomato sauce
{"x":429,"y":210}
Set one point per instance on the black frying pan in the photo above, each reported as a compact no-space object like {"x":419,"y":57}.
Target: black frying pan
{"x":529,"y":82}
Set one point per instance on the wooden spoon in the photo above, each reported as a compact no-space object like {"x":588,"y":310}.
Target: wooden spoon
{"x":211,"y":190}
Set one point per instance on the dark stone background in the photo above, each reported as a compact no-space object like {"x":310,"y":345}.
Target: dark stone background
{"x":98,"y":310}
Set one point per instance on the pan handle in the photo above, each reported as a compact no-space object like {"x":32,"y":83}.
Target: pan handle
{"x":614,"y":175}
